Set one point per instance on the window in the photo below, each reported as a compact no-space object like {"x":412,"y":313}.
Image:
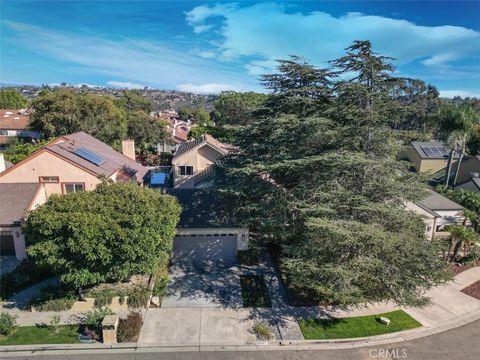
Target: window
{"x":185,"y":170}
{"x":49,"y":179}
{"x":72,"y":188}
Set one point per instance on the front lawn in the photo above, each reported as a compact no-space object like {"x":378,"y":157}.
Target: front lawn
{"x":28,"y":335}
{"x":254,"y":291}
{"x":354,"y":327}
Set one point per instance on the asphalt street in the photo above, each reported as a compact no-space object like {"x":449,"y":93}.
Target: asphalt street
{"x":461,"y":343}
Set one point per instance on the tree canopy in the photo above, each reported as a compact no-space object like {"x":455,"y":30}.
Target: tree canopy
{"x":12,"y":99}
{"x":320,"y":179}
{"x":104,"y":235}
{"x":18,"y":151}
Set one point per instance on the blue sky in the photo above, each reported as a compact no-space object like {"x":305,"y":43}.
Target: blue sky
{"x":213,"y":46}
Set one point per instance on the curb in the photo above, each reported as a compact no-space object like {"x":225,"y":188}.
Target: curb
{"x":392,"y":338}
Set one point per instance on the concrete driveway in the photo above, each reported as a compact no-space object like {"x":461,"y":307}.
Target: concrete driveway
{"x":197,"y":326}
{"x":202,"y":286}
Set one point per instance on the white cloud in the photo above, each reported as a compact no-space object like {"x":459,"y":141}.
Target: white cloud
{"x":124,"y":85}
{"x":205,"y":88}
{"x":461,"y":93}
{"x":207,"y":54}
{"x":141,"y":62}
{"x":197,"y":29}
{"x":320,"y":36}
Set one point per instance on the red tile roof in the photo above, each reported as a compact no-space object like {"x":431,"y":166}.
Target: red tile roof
{"x":14,"y":119}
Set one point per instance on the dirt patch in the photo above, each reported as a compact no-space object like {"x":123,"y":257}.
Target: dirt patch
{"x":473,"y":290}
{"x":459,"y":268}
{"x":135,"y":281}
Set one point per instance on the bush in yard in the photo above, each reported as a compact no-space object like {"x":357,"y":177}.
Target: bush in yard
{"x":54,"y":322}
{"x":93,"y":322}
{"x":129,"y":328}
{"x":262,"y":331}
{"x":7,"y":323}
{"x":54,"y":298}
{"x":25,"y":274}
{"x":104,"y":235}
{"x":138,"y":297}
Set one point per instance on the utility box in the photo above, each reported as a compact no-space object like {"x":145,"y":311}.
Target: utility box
{"x":109,"y":329}
{"x":384,"y":320}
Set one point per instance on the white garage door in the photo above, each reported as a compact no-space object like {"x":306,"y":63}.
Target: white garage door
{"x":212,"y":247}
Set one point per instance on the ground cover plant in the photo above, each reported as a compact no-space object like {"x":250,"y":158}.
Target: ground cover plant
{"x":254,"y":291}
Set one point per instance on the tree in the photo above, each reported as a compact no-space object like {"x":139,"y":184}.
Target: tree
{"x":134,"y":100}
{"x":12,"y":99}
{"x":105,"y":235}
{"x":334,"y":204}
{"x":18,"y":151}
{"x":146,"y":131}
{"x":461,"y":237}
{"x":236,"y":108}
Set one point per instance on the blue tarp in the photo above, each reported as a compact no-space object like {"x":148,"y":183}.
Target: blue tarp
{"x":158,"y":179}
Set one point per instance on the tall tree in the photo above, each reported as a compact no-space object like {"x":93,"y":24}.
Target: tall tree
{"x":134,"y":100}
{"x":146,"y":131}
{"x":105,"y":235}
{"x":237,"y":108}
{"x":12,"y":99}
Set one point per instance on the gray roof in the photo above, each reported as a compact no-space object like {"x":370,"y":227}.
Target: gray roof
{"x":472,"y":185}
{"x":437,"y":202}
{"x":432,"y":149}
{"x":204,"y":139}
{"x":114,"y":161}
{"x":15,"y":199}
{"x":201,"y":209}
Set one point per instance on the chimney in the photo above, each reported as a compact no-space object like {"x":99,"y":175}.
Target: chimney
{"x":128,"y":148}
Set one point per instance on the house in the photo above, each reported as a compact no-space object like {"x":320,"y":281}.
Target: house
{"x":469,"y":174}
{"x":14,"y":124}
{"x":16,"y":200}
{"x":193,"y":160}
{"x":438,"y":212}
{"x":427,"y":156}
{"x":205,"y":232}
{"x":76,"y":162}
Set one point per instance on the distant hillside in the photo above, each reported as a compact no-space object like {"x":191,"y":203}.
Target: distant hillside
{"x":163,"y":99}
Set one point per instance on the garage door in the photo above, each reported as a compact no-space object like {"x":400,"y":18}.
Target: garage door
{"x":7,"y":245}
{"x":201,"y":248}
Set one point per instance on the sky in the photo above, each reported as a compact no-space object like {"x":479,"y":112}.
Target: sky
{"x":209,"y":47}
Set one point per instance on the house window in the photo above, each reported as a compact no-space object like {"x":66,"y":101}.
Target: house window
{"x":185,"y":170}
{"x":72,"y":188}
{"x":49,"y":179}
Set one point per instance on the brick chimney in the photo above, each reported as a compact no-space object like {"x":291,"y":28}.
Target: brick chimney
{"x":128,"y":148}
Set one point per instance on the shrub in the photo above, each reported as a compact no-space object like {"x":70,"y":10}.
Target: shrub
{"x":102,"y":297}
{"x":138,"y":297}
{"x":93,"y":319}
{"x":54,"y":322}
{"x":262,"y":331}
{"x":54,"y":298}
{"x":7,"y":323}
{"x":161,"y":276}
{"x":248,"y":257}
{"x":55,"y":305}
{"x":129,"y":328}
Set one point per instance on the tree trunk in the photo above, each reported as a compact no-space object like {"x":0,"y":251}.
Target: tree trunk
{"x":459,"y":162}
{"x":456,"y":249}
{"x":449,"y":166}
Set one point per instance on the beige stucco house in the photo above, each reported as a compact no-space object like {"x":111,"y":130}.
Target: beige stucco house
{"x":16,"y":200}
{"x":76,"y":162}
{"x":427,"y":156}
{"x":192,"y":162}
{"x":469,"y":174}
{"x":438,"y":212}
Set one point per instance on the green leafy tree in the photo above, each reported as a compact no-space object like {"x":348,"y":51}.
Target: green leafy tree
{"x":134,"y":100}
{"x":62,"y":112}
{"x":331,"y":200}
{"x":18,"y":151}
{"x":237,"y":108}
{"x":461,"y":237}
{"x":146,"y":131}
{"x":105,"y":235}
{"x":12,"y":99}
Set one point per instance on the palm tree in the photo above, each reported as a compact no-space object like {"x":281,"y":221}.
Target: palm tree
{"x":461,"y":237}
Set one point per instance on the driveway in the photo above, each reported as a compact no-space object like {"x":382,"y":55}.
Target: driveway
{"x":202,"y":286}
{"x":195,"y":326}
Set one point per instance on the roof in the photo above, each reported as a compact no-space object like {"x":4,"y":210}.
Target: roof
{"x":437,"y":202}
{"x":15,"y":200}
{"x":472,"y":185}
{"x":201,"y":209}
{"x":14,"y":119}
{"x":432,"y":149}
{"x":72,"y":146}
{"x":202,"y":140}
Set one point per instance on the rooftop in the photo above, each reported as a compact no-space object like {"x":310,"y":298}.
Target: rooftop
{"x":16,"y":199}
{"x":437,"y":202}
{"x":432,"y":149}
{"x":201,"y":209}
{"x":204,"y":139}
{"x":14,"y":119}
{"x":96,"y":156}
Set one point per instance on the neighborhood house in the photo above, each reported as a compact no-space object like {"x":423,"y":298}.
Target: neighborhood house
{"x":427,"y":156}
{"x":14,"y":124}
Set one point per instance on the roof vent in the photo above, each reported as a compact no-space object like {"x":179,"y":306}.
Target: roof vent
{"x":474,"y":175}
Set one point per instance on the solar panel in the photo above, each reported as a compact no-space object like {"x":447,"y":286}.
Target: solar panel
{"x":428,"y":150}
{"x":89,"y":156}
{"x":437,"y":151}
{"x":442,"y":150}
